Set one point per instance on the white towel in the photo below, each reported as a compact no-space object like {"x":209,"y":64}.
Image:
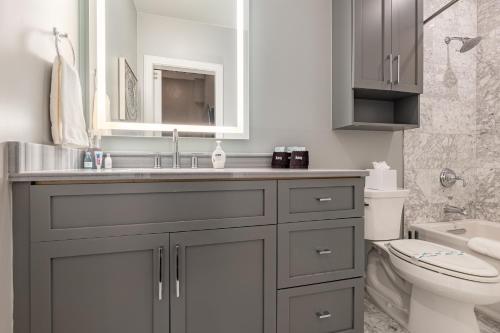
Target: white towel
{"x":66,"y":106}
{"x":488,"y":247}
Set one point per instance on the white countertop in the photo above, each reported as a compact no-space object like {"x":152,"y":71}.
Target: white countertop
{"x":82,"y":175}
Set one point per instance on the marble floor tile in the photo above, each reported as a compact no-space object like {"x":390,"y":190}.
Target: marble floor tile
{"x":377,"y":321}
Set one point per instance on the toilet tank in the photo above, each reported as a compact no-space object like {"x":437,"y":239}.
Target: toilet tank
{"x":383,"y":214}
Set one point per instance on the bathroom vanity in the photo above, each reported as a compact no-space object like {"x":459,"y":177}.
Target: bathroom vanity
{"x":247,"y":251}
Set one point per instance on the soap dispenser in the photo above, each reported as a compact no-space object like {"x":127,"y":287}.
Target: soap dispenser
{"x":218,"y":157}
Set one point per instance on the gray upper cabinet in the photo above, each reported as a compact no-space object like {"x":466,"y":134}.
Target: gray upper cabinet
{"x":407,"y":45}
{"x":372,"y":44}
{"x":388,"y":48}
{"x":115,"y":285}
{"x":223,"y":281}
{"x":377,"y":64}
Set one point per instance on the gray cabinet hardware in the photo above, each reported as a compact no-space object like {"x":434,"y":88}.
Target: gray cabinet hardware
{"x":160,"y":273}
{"x":398,"y":60}
{"x":324,"y":252}
{"x":177,"y":275}
{"x":391,"y":71}
{"x":324,"y":199}
{"x":323,"y":315}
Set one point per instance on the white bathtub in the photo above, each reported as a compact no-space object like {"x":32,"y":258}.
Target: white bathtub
{"x":440,"y":233}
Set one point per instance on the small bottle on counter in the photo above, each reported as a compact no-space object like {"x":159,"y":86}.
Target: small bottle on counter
{"x":108,"y":162}
{"x":87,"y":161}
{"x":219,"y":157}
{"x":98,"y":159}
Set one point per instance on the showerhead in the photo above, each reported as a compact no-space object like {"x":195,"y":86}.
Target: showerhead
{"x":467,"y":43}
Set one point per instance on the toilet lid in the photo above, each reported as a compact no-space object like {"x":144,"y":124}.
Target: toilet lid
{"x":443,"y":259}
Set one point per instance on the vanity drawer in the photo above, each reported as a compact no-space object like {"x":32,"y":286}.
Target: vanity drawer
{"x":321,"y":251}
{"x":329,"y":307}
{"x":101,"y":210}
{"x":320,"y":199}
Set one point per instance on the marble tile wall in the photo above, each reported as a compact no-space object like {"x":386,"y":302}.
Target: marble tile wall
{"x":460,"y":116}
{"x":447,"y":137}
{"x":488,"y":111}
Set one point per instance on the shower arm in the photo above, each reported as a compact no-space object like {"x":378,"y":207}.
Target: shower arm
{"x":437,"y":13}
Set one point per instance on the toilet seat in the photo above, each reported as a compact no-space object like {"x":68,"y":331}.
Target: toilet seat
{"x":443,"y":260}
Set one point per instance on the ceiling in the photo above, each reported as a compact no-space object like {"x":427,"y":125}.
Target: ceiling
{"x":214,"y":12}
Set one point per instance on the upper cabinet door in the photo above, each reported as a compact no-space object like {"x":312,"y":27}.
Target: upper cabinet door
{"x":407,"y":45}
{"x":224,"y":281}
{"x":106,"y":285}
{"x":372,"y":44}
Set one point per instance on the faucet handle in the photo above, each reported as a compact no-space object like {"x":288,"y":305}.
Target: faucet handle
{"x":448,"y":178}
{"x":464,"y":182}
{"x":157,"y":161}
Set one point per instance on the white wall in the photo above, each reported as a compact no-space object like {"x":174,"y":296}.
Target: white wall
{"x":26,"y":52}
{"x":290,"y":93}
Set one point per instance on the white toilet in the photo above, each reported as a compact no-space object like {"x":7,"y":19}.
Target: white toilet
{"x":428,"y":288}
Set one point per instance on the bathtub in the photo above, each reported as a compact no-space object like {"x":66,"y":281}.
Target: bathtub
{"x":456,"y":235}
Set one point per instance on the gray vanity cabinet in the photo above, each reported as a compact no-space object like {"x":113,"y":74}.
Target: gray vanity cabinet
{"x":223,"y":281}
{"x":229,"y":256}
{"x":100,"y":285}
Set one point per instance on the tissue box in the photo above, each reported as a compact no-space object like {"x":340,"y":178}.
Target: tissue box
{"x":385,"y":180}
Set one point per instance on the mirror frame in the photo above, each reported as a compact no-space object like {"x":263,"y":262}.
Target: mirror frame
{"x":240,"y":131}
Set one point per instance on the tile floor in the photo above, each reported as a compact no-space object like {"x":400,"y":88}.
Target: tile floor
{"x":376,"y":321}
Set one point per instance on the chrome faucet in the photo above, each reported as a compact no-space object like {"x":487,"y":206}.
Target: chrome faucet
{"x":176,"y":157}
{"x":449,"y":209}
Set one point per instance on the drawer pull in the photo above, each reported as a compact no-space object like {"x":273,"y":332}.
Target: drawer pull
{"x":324,"y":252}
{"x":324,"y":199}
{"x":323,"y":315}
{"x":367,"y":204}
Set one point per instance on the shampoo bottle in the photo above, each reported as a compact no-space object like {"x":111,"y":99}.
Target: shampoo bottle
{"x":219,"y":157}
{"x":108,"y":162}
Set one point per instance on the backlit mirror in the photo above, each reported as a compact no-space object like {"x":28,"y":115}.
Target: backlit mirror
{"x":171,"y":64}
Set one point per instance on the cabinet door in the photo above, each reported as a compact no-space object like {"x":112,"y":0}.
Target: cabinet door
{"x":223,"y":281}
{"x":407,"y":45}
{"x":112,"y":285}
{"x":372,"y":44}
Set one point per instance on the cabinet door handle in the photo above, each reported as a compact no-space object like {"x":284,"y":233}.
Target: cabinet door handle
{"x":160,"y":273}
{"x":324,"y":199}
{"x":177,"y":279}
{"x":398,"y":59}
{"x":324,"y":252}
{"x":323,"y":315}
{"x":391,"y":72}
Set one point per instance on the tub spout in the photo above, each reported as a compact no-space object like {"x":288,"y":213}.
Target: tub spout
{"x":449,"y":209}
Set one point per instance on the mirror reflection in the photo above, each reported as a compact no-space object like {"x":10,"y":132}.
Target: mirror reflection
{"x":176,"y":63}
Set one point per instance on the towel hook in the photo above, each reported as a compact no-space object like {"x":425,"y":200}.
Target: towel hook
{"x":58,"y":36}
